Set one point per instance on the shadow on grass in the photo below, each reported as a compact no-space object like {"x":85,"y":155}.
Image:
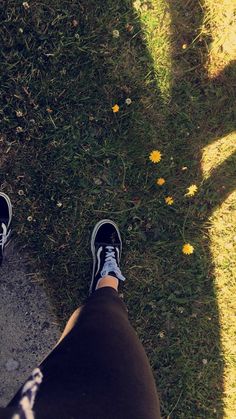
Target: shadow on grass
{"x":77,"y":162}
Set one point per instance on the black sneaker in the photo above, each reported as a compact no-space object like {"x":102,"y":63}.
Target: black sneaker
{"x":5,"y":222}
{"x":106,"y":247}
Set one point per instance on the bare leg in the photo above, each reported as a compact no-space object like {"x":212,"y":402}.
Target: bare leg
{"x":108,"y":281}
{"x":69,"y":325}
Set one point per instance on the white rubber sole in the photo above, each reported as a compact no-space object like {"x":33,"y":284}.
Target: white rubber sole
{"x":9,"y":206}
{"x":97,"y":226}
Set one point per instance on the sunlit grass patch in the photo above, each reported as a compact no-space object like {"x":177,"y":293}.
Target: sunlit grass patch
{"x":217,"y":152}
{"x":155,"y":22}
{"x":220,"y":24}
{"x":223,"y":248}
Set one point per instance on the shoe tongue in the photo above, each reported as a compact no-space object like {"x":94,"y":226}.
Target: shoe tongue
{"x":105,"y":244}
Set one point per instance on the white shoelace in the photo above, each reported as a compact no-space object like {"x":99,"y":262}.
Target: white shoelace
{"x":110,"y":264}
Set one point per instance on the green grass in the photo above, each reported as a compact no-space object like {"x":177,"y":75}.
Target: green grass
{"x":95,"y":163}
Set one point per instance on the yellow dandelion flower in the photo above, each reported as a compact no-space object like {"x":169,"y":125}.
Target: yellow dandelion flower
{"x":169,"y":200}
{"x":155,"y":156}
{"x":187,"y":249}
{"x":184,"y":46}
{"x":191,"y":190}
{"x":115,"y":108}
{"x":160,"y":181}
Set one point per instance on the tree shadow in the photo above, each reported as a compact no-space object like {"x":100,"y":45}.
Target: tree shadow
{"x":191,"y":109}
{"x":94,"y":163}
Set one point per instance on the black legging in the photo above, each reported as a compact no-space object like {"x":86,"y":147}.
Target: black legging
{"x":99,"y":370}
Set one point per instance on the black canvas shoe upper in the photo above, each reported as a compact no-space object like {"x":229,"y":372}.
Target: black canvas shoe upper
{"x":106,"y":247}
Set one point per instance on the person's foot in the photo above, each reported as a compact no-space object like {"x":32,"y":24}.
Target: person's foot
{"x":5,"y":222}
{"x":106,"y":247}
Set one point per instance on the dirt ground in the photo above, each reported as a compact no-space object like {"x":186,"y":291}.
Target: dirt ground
{"x":28,"y":328}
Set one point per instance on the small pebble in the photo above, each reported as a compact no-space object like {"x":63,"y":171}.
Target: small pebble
{"x":11,"y":364}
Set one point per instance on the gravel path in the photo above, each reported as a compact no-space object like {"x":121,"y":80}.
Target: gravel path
{"x":28,"y":328}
